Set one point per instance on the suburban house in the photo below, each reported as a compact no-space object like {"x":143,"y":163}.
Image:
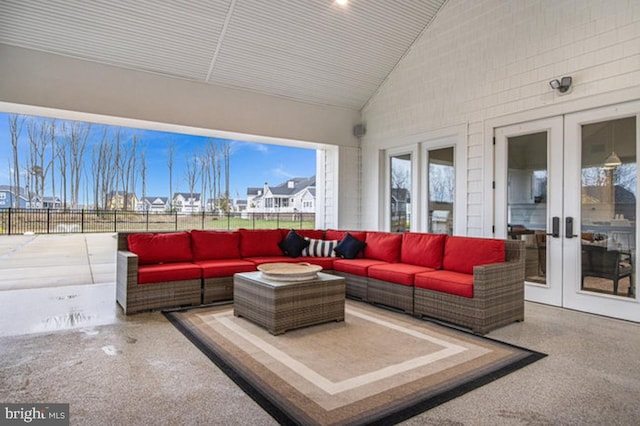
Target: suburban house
{"x":154,"y":205}
{"x":120,"y":200}
{"x":186,"y":203}
{"x":39,"y":202}
{"x":8,"y":195}
{"x":240,"y":206}
{"x":525,"y":112}
{"x":296,"y":195}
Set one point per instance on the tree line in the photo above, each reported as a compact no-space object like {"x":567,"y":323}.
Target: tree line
{"x":65,"y":156}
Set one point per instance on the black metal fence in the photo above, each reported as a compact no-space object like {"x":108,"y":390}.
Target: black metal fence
{"x":55,"y":221}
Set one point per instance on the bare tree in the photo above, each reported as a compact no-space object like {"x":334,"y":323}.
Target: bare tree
{"x":76,"y":134}
{"x":62,"y":158}
{"x":192,"y":171}
{"x":204,"y":177}
{"x":127,"y":169}
{"x":102,"y":169}
{"x":51,"y":136}
{"x":211,"y":156}
{"x":143,"y":171}
{"x":170,"y":151}
{"x":15,"y":129}
{"x":39,"y":139}
{"x":226,"y":152}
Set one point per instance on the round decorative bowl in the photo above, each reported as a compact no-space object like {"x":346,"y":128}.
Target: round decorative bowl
{"x":281,"y":271}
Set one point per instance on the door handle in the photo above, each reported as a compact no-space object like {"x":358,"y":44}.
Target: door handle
{"x":568,"y":229}
{"x":555,"y":227}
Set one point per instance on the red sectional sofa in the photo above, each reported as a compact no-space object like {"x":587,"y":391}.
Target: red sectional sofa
{"x":476,"y":283}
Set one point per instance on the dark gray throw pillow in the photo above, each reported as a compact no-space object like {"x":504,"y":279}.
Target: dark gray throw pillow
{"x":349,"y":247}
{"x":293,"y":244}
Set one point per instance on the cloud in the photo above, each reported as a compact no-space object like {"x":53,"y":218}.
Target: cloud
{"x":281,"y":172}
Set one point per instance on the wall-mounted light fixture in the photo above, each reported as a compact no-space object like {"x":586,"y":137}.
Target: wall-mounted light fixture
{"x":561,"y":85}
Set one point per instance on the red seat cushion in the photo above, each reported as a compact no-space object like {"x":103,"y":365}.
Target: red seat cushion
{"x":179,"y":271}
{"x":260,"y":242}
{"x":325,"y":262}
{"x":446,"y":282}
{"x":355,"y":266}
{"x":208,"y":245}
{"x":160,"y":248}
{"x":383,"y":246}
{"x":423,"y":249}
{"x":461,"y":254}
{"x":399,"y":273}
{"x":224,"y":267}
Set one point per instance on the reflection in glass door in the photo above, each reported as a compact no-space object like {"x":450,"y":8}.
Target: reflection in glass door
{"x":442,"y":183}
{"x":527,"y":200}
{"x":400,"y":203}
{"x":608,"y":207}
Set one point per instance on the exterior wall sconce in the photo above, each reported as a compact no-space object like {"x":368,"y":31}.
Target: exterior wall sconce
{"x":561,"y":85}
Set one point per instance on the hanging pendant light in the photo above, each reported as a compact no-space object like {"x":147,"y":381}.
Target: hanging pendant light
{"x":612,"y":160}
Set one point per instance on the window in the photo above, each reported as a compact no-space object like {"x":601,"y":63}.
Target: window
{"x":400,"y":203}
{"x":442,"y":183}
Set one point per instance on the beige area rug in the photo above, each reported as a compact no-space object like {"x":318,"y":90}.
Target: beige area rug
{"x":376,"y":367}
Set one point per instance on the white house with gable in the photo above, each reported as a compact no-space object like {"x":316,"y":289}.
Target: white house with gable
{"x":297,"y":195}
{"x":185,"y":202}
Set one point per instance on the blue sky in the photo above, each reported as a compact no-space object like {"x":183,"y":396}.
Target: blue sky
{"x":251,"y":164}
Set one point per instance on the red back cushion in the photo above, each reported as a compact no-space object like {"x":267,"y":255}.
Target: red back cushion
{"x":209,"y":245}
{"x":334,"y":234}
{"x":260,"y":242}
{"x":161,"y":248}
{"x":423,"y":249}
{"x":383,"y":246}
{"x":314,"y":234}
{"x":461,"y":254}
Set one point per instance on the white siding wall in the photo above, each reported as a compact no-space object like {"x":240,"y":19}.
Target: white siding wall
{"x":349,"y":189}
{"x":484,"y":62}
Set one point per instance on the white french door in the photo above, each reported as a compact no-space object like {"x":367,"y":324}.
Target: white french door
{"x":601,"y":188}
{"x":568,"y":186}
{"x":529,"y":201}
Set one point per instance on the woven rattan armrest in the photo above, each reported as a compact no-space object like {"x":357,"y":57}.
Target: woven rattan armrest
{"x":126,"y":275}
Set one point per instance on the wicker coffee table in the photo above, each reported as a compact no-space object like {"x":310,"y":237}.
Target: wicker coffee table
{"x":280,"y":305}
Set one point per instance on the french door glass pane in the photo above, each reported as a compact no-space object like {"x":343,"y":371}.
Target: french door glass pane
{"x":400,"y":193}
{"x":608,"y":206}
{"x":441,"y":191}
{"x":527,"y":200}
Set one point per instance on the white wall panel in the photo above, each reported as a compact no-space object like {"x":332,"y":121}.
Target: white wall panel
{"x":490,"y":60}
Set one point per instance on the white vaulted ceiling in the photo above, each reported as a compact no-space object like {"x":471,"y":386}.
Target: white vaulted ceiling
{"x":308,"y":50}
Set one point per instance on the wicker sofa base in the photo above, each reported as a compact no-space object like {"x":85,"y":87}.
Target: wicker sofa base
{"x":466,"y":312}
{"x":217,"y":289}
{"x":390,"y":294}
{"x":144,"y":297}
{"x":356,"y":286}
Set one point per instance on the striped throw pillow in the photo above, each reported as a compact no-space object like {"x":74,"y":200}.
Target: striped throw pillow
{"x":320,"y":248}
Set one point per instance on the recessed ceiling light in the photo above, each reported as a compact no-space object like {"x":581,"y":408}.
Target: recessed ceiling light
{"x":342,"y":3}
